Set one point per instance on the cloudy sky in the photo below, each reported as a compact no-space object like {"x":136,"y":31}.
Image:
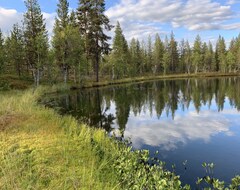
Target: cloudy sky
{"x":140,"y":18}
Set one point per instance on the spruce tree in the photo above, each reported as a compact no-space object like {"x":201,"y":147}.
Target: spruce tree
{"x":60,"y":38}
{"x":158,"y":52}
{"x":188,"y":57}
{"x":15,"y":49}
{"x":119,"y":55}
{"x":149,"y":55}
{"x":221,"y":54}
{"x":197,"y":53}
{"x":36,"y":39}
{"x":92,"y":24}
{"x":173,"y":52}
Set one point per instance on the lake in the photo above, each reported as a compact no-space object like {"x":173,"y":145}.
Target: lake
{"x":188,"y":121}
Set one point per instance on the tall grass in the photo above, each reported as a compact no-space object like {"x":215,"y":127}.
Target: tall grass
{"x":41,"y":150}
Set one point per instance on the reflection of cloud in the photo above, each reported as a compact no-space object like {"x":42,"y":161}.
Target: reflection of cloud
{"x":168,"y":134}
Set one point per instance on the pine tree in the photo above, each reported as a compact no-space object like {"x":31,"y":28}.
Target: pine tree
{"x":197,"y":53}
{"x":173,"y":52}
{"x":149,"y":55}
{"x":221,"y":54}
{"x":119,"y":55}
{"x":182,"y":52}
{"x":92,"y":23}
{"x":36,"y":39}
{"x":209,"y":60}
{"x":188,"y":57}
{"x":60,"y":38}
{"x":166,"y":56}
{"x":15,"y":49}
{"x":204,"y":64}
{"x":158,"y":52}
{"x":135,"y":54}
{"x":231,"y":61}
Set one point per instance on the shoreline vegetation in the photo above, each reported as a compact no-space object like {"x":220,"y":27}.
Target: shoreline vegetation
{"x":43,"y":150}
{"x":14,"y":82}
{"x":151,"y":78}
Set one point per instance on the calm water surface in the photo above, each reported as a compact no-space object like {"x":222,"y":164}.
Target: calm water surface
{"x":197,"y":120}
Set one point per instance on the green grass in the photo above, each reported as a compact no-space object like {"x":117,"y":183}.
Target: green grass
{"x":42,"y":150}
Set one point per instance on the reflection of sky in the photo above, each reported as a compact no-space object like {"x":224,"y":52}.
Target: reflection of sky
{"x":168,"y":134}
{"x":205,"y":136}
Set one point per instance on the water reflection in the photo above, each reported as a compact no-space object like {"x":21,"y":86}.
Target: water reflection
{"x":170,"y":134}
{"x":193,"y":119}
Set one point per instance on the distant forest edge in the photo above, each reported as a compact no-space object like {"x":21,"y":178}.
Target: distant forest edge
{"x":79,"y":49}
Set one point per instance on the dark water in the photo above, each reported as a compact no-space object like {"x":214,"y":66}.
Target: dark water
{"x":197,"y":120}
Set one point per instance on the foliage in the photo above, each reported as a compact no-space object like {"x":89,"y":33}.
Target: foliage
{"x":36,"y":39}
{"x":119,"y":55}
{"x":93,"y":23}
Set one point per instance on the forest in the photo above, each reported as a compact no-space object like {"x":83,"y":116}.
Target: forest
{"x":81,"y":50}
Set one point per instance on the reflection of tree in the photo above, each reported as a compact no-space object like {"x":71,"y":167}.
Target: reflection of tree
{"x":122,"y":108}
{"x":93,"y":105}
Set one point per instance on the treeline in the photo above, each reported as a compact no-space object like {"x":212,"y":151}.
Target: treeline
{"x":79,"y":49}
{"x":169,"y":56}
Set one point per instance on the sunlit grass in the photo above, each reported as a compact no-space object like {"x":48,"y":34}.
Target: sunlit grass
{"x":41,"y":150}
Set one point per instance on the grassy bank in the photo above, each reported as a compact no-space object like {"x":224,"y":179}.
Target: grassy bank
{"x":40,"y":149}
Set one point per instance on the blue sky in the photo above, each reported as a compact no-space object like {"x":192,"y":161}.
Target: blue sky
{"x":140,"y":18}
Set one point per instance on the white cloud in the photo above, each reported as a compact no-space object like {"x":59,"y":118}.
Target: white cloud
{"x":190,"y":14}
{"x":232,"y":2}
{"x":9,"y":17}
{"x":49,"y":20}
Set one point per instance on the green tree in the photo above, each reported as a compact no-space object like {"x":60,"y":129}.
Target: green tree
{"x":197,"y":53}
{"x":158,"y":52}
{"x":166,"y":56}
{"x":188,"y":57}
{"x":231,"y":61}
{"x":15,"y":49}
{"x":221,"y":54}
{"x":208,"y":59}
{"x":119,"y":55}
{"x":135,"y":54}
{"x":60,"y":38}
{"x":93,"y":23}
{"x":36,"y":39}
{"x":173,"y":52}
{"x":149,"y":55}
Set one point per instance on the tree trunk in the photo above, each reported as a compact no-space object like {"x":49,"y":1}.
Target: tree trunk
{"x":38,"y":77}
{"x":97,"y":67}
{"x":65,"y":74}
{"x":113,"y":73}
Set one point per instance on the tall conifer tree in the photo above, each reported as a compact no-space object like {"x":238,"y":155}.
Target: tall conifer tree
{"x":36,"y":39}
{"x":119,"y":55}
{"x":93,"y":23}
